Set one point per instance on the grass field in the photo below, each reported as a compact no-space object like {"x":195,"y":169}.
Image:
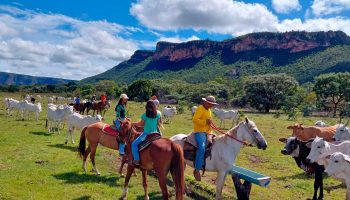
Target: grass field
{"x":35,"y":164}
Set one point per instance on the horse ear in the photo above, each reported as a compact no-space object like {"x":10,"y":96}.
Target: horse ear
{"x":246,"y":120}
{"x":284,"y":140}
{"x":290,"y":127}
{"x":308,"y":145}
{"x":347,"y":159}
{"x":328,"y":157}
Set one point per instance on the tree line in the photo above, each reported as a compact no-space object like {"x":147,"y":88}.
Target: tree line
{"x":281,"y":92}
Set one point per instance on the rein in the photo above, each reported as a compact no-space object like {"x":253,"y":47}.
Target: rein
{"x":222,"y":132}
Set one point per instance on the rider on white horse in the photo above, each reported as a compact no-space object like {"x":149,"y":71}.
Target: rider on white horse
{"x":201,"y":121}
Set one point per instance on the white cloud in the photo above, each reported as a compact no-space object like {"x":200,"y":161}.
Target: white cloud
{"x":215,"y":16}
{"x":60,"y":46}
{"x":285,"y":6}
{"x":229,"y":17}
{"x":326,"y":7}
{"x":318,"y":24}
{"x":178,"y":39}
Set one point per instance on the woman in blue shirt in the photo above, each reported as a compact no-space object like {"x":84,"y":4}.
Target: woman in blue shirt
{"x":151,"y":122}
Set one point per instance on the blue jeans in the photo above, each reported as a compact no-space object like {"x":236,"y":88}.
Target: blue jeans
{"x":201,"y":139}
{"x":135,"y":148}
{"x":121,"y":145}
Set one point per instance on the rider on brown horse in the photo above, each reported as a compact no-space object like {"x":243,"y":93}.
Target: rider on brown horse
{"x":151,"y":122}
{"x":120,"y":110}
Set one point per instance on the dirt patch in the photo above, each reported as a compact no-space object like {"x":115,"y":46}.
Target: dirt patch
{"x":256,"y":159}
{"x":41,"y":162}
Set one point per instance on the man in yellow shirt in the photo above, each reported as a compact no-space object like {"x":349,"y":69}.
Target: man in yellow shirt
{"x":201,"y":121}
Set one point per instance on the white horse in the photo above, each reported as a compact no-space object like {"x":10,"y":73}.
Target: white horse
{"x":226,"y":148}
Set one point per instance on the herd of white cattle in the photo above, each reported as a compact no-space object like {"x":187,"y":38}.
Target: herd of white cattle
{"x":57,"y":115}
{"x":335,"y":156}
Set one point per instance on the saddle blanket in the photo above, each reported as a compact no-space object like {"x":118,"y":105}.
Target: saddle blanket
{"x":149,"y":139}
{"x":109,"y":130}
{"x":192,"y":139}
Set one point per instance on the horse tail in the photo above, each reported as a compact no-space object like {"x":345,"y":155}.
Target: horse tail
{"x":177,"y":168}
{"x":82,"y":143}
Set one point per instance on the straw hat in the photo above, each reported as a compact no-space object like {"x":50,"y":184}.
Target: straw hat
{"x":210,"y":99}
{"x":124,"y":96}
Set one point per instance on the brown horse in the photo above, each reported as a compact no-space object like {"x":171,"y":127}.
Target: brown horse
{"x":80,"y":108}
{"x":161,"y":156}
{"x":94,"y":134}
{"x":100,"y":107}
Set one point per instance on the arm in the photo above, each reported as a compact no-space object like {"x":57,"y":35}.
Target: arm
{"x":140,"y":123}
{"x":118,"y":112}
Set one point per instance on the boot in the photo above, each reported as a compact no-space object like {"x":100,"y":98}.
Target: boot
{"x":197,"y":175}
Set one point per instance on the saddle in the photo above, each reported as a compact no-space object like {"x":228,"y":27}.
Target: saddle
{"x":190,"y":148}
{"x":148,"y":141}
{"x":110,"y":130}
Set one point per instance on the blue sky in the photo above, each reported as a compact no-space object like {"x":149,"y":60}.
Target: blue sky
{"x":77,"y":38}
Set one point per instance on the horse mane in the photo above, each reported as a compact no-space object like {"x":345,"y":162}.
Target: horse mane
{"x":232,"y":132}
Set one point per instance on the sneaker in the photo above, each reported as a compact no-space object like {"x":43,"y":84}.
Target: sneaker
{"x":197,"y":175}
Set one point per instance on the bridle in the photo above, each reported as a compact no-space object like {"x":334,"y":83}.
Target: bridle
{"x":212,"y":125}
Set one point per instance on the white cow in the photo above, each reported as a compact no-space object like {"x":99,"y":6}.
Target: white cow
{"x":50,"y":99}
{"x":193,"y":109}
{"x":30,"y":107}
{"x":342,"y":133}
{"x":320,"y":149}
{"x":78,"y":121}
{"x":339,"y":167}
{"x":226,"y":114}
{"x":320,"y":123}
{"x":15,"y":104}
{"x":56,"y":115}
{"x":168,"y":112}
{"x":38,"y":97}
{"x":61,"y":99}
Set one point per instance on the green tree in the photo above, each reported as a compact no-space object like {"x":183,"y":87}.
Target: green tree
{"x":106,"y":86}
{"x":140,"y":90}
{"x":333,"y":88}
{"x":269,"y":91}
{"x":87,"y":90}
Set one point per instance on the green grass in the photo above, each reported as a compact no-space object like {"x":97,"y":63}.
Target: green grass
{"x":37,"y":165}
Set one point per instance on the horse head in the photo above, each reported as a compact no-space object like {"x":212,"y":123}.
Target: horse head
{"x":249,"y":132}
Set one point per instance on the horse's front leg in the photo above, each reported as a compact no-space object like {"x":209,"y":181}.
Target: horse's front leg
{"x":221,"y":175}
{"x":92,"y":157}
{"x":129,"y":171}
{"x":144,"y":183}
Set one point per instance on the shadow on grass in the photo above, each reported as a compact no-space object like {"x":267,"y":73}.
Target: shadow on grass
{"x":77,"y":178}
{"x":63,"y":146}
{"x":302,"y":175}
{"x":152,"y":195}
{"x":86,"y":197}
{"x":329,"y":188}
{"x":41,"y":133}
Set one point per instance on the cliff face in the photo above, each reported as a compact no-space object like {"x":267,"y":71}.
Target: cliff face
{"x":140,"y":55}
{"x":303,"y":55}
{"x":292,"y":42}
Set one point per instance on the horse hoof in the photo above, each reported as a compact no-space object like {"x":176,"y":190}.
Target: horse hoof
{"x":66,"y":142}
